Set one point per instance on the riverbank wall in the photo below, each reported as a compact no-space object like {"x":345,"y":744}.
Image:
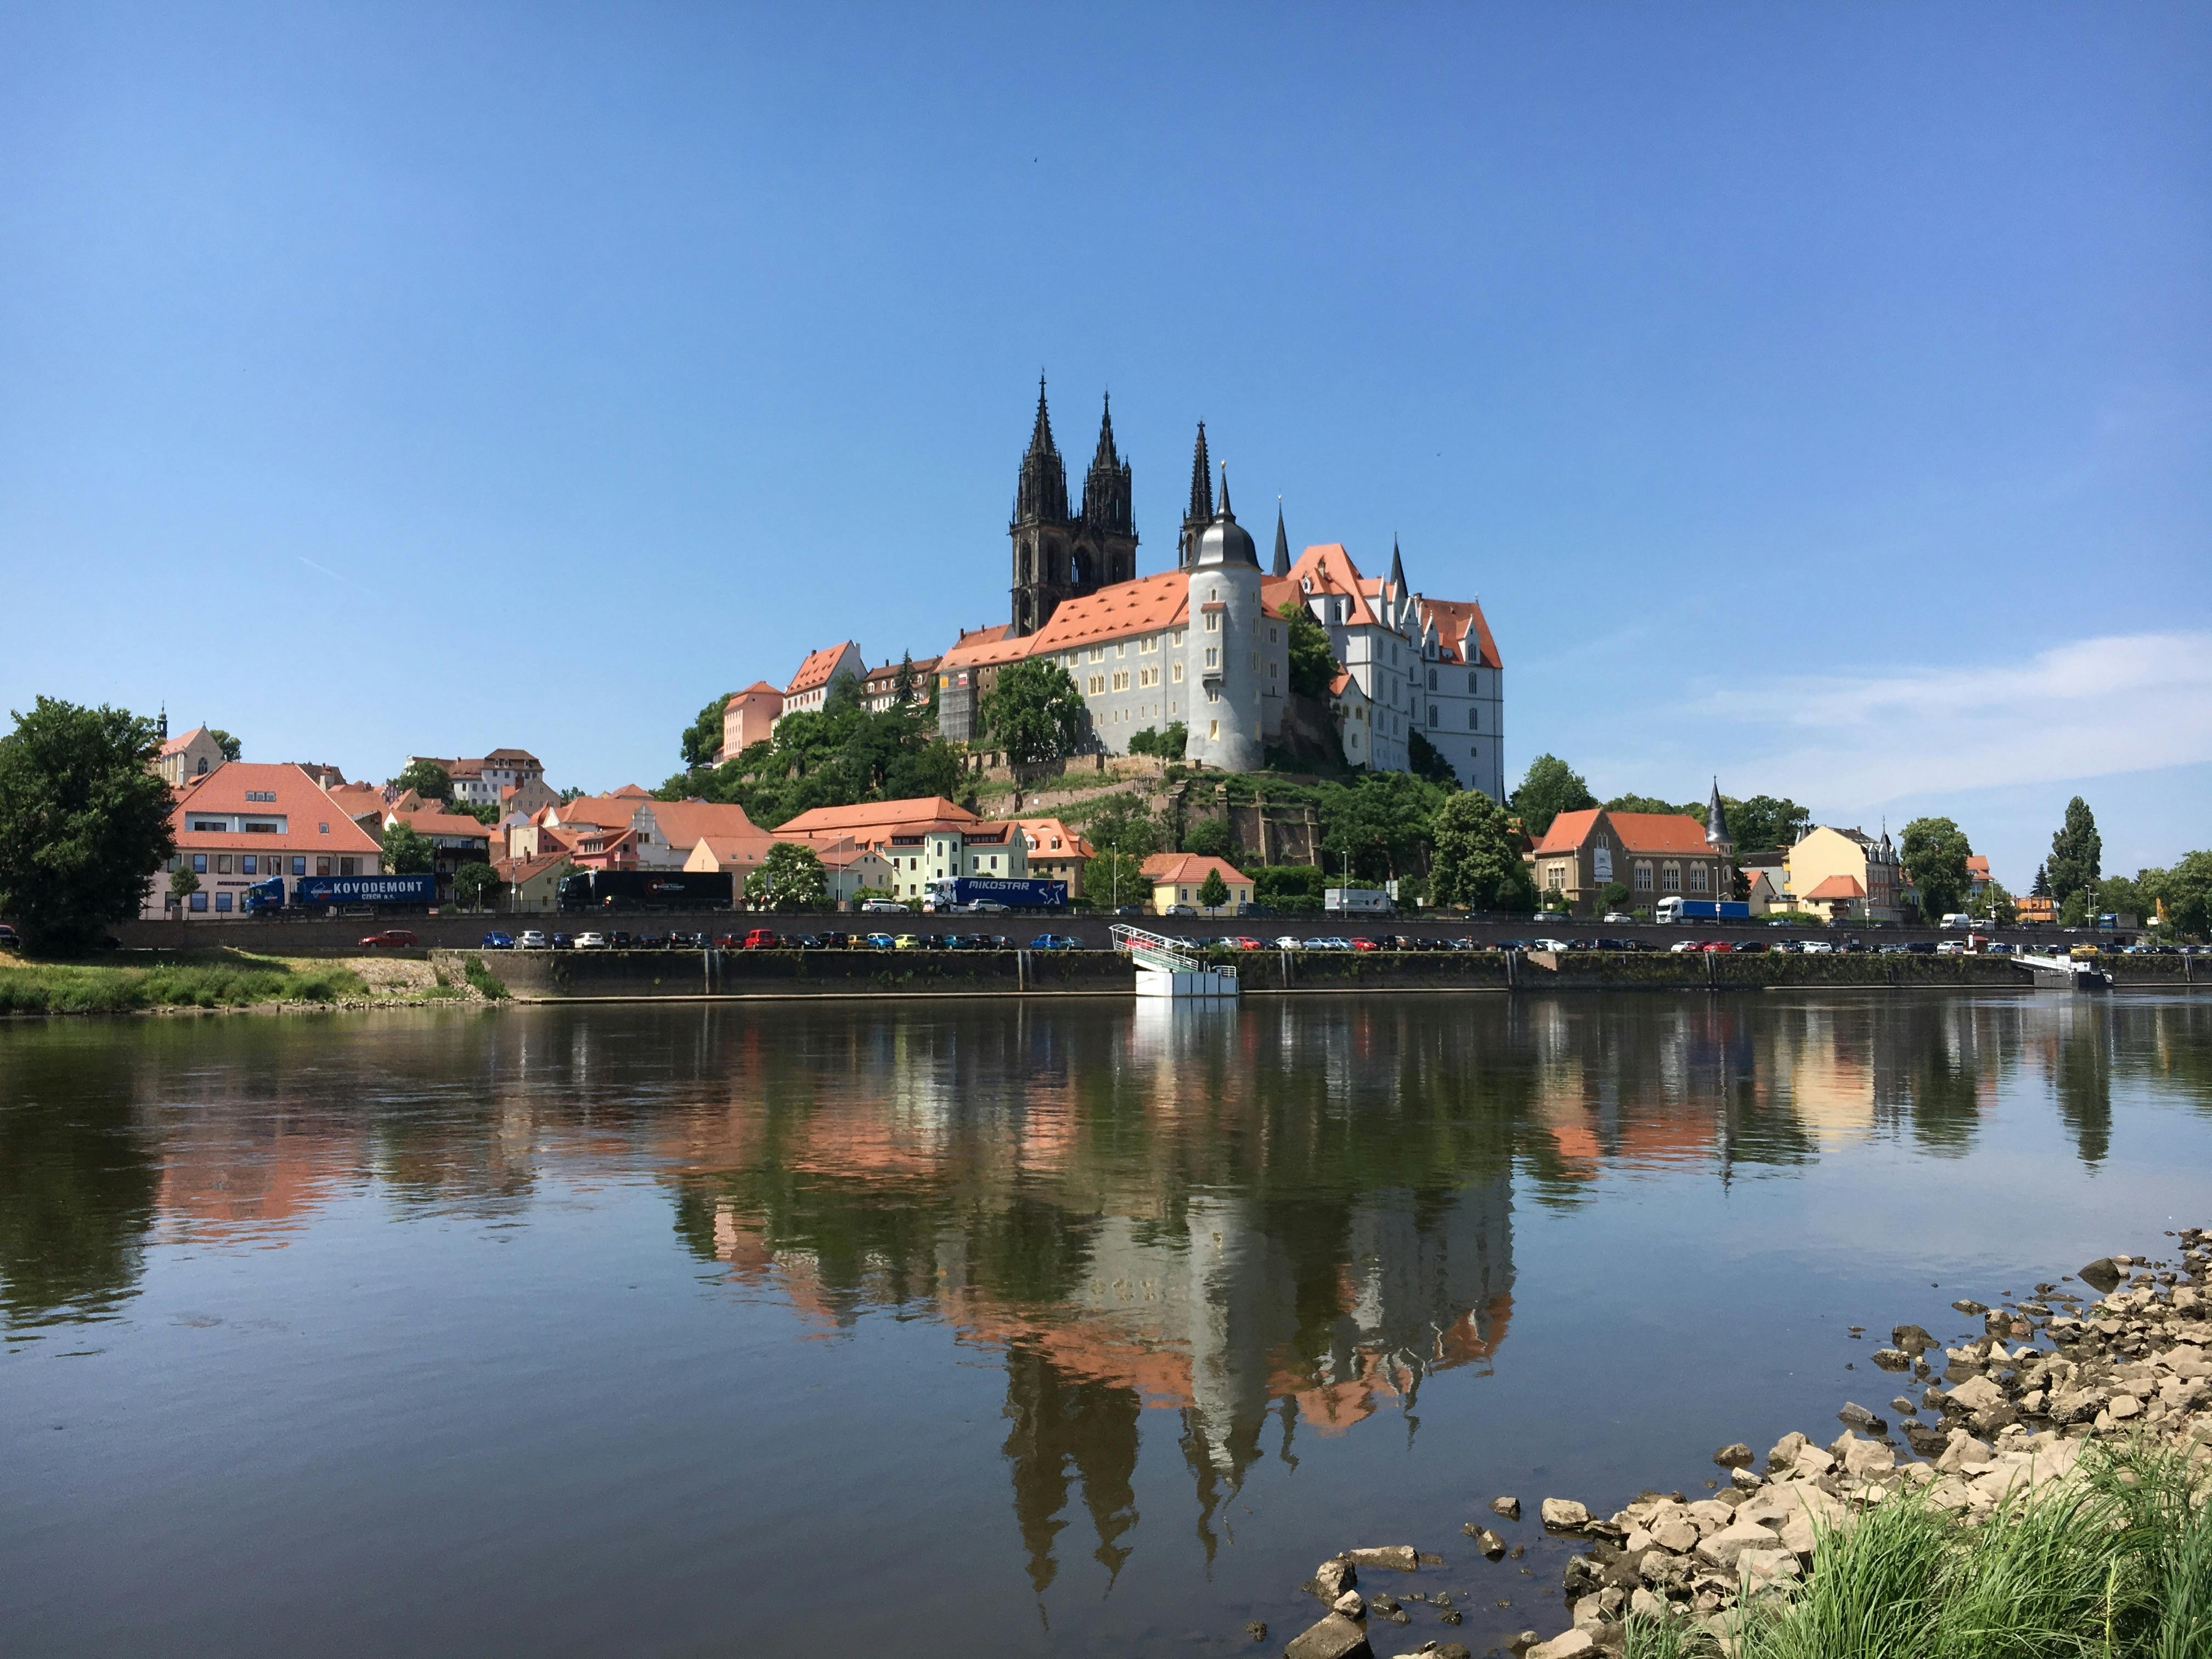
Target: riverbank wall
{"x":564,"y":975}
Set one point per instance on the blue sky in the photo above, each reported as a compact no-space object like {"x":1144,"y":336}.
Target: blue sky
{"x":1823,"y":398}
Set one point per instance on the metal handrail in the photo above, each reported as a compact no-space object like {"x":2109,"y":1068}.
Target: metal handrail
{"x":1155,"y":950}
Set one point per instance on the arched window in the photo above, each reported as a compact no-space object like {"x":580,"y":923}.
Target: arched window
{"x":1474,"y":719}
{"x":1474,"y":683}
{"x":1433,"y":679}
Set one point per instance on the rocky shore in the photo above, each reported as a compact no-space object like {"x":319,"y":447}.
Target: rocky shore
{"x":1998,"y":1417}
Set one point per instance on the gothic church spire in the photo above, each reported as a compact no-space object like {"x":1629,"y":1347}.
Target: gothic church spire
{"x":1282,"y":543}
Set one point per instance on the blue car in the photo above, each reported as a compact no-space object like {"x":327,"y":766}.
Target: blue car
{"x":1055,"y":942}
{"x":564,"y":942}
{"x":499,"y":941}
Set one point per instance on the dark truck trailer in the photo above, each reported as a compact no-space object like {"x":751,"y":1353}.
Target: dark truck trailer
{"x":408,"y":892}
{"x":644,"y":890}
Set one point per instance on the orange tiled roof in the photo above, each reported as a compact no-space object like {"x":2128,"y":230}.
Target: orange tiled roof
{"x":301,"y":802}
{"x":429,"y":821}
{"x":1659,"y":832}
{"x":1838,"y":887}
{"x":608,"y":812}
{"x":984,"y":647}
{"x":1163,"y":869}
{"x":1044,"y":833}
{"x":1569,"y":830}
{"x":517,"y":871}
{"x":874,"y":814}
{"x":1329,"y":568}
{"x":1143,"y":606}
{"x":176,"y":744}
{"x":1453,"y":618}
{"x":816,"y":669}
{"x":686,"y":822}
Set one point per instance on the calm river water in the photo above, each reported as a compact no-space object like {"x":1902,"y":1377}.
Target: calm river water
{"x":1008,"y":1330}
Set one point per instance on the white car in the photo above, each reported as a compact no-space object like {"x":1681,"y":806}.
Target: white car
{"x":1951,"y":947}
{"x":877,"y":905}
{"x":530,"y":940}
{"x":1815,"y":947}
{"x":1550,"y":945}
{"x":1682,"y":947}
{"x":1288,"y":942}
{"x":1619,"y":915}
{"x":590,"y":941}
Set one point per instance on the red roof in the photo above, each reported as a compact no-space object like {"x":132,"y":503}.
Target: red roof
{"x":1639,"y":832}
{"x":1329,"y":568}
{"x":176,"y":744}
{"x":1143,"y":606}
{"x":881,"y":814}
{"x":429,"y":821}
{"x":1838,"y":887}
{"x":1179,"y":869}
{"x":817,"y":667}
{"x":1454,"y":618}
{"x":314,"y":823}
{"x":1569,"y":830}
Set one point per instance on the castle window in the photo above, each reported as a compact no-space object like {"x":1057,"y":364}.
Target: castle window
{"x":1098,"y":653}
{"x":1697,"y":878}
{"x":1472,"y":684}
{"x":1175,"y":672}
{"x":1213,"y":656}
{"x":1433,"y":680}
{"x":1213,"y":728}
{"x":1670,"y":878}
{"x":1122,"y":649}
{"x":1474,"y":719}
{"x":1213,"y":622}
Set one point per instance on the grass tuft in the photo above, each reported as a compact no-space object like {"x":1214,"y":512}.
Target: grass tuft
{"x":229,"y":980}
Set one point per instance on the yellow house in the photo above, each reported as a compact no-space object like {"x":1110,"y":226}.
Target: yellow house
{"x":1177,"y":877}
{"x":1821,"y":872}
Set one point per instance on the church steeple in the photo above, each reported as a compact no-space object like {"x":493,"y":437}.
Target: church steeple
{"x":1040,"y":493}
{"x":1282,"y":543}
{"x":1202,"y":502}
{"x":1397,"y":571}
{"x":1106,"y":490}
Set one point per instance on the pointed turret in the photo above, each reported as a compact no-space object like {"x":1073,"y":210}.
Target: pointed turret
{"x":1716,"y":830}
{"x":1201,"y":512}
{"x":1106,"y":489}
{"x":1282,"y":543}
{"x":1040,"y":493}
{"x":1397,"y":570}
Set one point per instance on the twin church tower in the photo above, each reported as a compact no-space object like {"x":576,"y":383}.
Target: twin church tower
{"x":1060,"y":556}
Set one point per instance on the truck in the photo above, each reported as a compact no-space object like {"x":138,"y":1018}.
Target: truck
{"x":1356,"y":901}
{"x":644,"y":890}
{"x":390,"y":890}
{"x":1674,"y":909}
{"x":264,"y":896}
{"x":1009,"y":892}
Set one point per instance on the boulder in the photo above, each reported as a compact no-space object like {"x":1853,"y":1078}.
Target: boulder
{"x":1860,"y":1417}
{"x":1904,"y":1406}
{"x":1577,"y":1643}
{"x":1564,"y":1515}
{"x":1785,"y":1450}
{"x":1677,"y":1533}
{"x":1760,"y":1569}
{"x":1332,"y":1578}
{"x":1334,"y":1637}
{"x":1968,"y":1305}
{"x":1508,"y":1507}
{"x":1735,"y":1456}
{"x":1722,"y":1549}
{"x":2102,"y":1275}
{"x":1913,"y":1340}
{"x":1745,"y":1480}
{"x":1492,"y":1547}
{"x":1892,"y":1359}
{"x":1976,"y":1394}
{"x":1862,"y":1459}
{"x":2123,"y":1406}
{"x":1399,"y":1558}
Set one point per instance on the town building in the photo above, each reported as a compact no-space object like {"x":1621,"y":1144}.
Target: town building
{"x":880,"y":690}
{"x":748,"y":717}
{"x":1977,"y":874}
{"x":477,"y":782}
{"x":530,"y":885}
{"x":242,"y":822}
{"x":921,"y":839}
{"x":1823,"y":859}
{"x":455,"y":838}
{"x":810,"y":686}
{"x":2036,"y":908}
{"x":848,"y":871}
{"x":1176,"y":879}
{"x":186,"y":759}
{"x":1056,"y":853}
{"x":1654,"y":855}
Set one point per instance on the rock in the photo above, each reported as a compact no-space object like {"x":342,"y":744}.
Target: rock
{"x":1677,"y":1533}
{"x":1964,"y":1452}
{"x":1334,"y":1637}
{"x":1813,"y":1462}
{"x":2123,"y":1406}
{"x":1926,"y":1441}
{"x":1492,"y":1545}
{"x":1736,"y":1456}
{"x":1332,"y":1578}
{"x":1968,"y":1305}
{"x":1976,"y":1394}
{"x":1903,"y":1406}
{"x":1256,"y":1629}
{"x":1350,"y":1604}
{"x":1913,"y":1340}
{"x":2102,"y":1275}
{"x":1644,"y":1604}
{"x":1520,"y":1645}
{"x":1861,"y":1458}
{"x":1724,"y":1545}
{"x":1508,"y":1507}
{"x":1571,"y":1645}
{"x":1745,"y":1480}
{"x":1564,"y":1515}
{"x":1399,"y":1558}
{"x":1759,"y":1570}
{"x":1892,"y":1359}
{"x":1860,"y":1417}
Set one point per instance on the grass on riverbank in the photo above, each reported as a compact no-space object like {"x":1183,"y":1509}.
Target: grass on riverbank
{"x":214,"y":979}
{"x":2116,"y":1563}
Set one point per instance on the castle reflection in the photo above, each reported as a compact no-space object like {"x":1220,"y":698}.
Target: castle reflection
{"x":1271,"y":1222}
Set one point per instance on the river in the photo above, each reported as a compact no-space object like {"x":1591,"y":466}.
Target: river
{"x":1016,"y":1328}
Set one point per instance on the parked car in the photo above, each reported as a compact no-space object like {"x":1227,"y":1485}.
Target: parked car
{"x":1617,"y":917}
{"x":1180,"y":910}
{"x":907,"y":942}
{"x":1750,"y":946}
{"x":1055,"y":942}
{"x":1365,"y":944}
{"x":591,"y":942}
{"x":833,"y":941}
{"x":1719,"y":947}
{"x":619,"y":940}
{"x":496,"y":941}
{"x":1544,"y":917}
{"x":1285,"y":942}
{"x":1550,"y":945}
{"x":390,"y":938}
{"x":1682,"y":947}
{"x":761,"y":938}
{"x":687,"y":941}
{"x":562,"y":942}
{"x":980,"y":906}
{"x":1244,"y":942}
{"x":879,"y":941}
{"x":8,"y":941}
{"x":531,"y":939}
{"x":877,"y":906}
{"x":648,"y":942}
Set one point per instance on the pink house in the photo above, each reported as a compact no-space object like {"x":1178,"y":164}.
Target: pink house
{"x":748,"y":717}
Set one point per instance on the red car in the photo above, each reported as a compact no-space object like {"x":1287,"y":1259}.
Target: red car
{"x":1717,"y":946}
{"x":761,"y":938}
{"x":391,"y":937}
{"x":1366,"y":945}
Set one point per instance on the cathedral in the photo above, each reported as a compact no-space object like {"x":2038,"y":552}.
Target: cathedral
{"x":1203,"y":645}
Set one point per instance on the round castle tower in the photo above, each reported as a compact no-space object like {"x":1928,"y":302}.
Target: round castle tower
{"x":1221,"y":646}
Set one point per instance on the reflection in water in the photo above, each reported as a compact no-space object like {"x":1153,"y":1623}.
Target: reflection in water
{"x":1272,"y":1221}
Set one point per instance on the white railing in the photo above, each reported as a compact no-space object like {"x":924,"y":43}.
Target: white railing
{"x":1155,"y":950}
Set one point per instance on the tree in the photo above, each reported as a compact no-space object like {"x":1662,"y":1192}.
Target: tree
{"x":703,"y":737}
{"x":482,"y":812}
{"x":183,"y":882}
{"x":1119,"y":824}
{"x":2076,"y":851}
{"x":427,"y":779}
{"x":1765,"y":823}
{"x":1549,"y":788}
{"x":224,"y":741}
{"x":1115,"y":878}
{"x":2187,"y":889}
{"x":2042,"y":888}
{"x":1209,"y":838}
{"x":903,"y":684}
{"x":1663,"y":808}
{"x":1475,"y":862}
{"x":1034,"y":712}
{"x":1935,"y":852}
{"x":1429,"y":762}
{"x":1993,"y":904}
{"x":789,"y":878}
{"x":407,"y":851}
{"x":1378,"y":827}
{"x":1173,"y":740}
{"x":1312,"y":665}
{"x":1612,"y":897}
{"x":84,"y":822}
{"x":472,"y":881}
{"x":1212,"y":892}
